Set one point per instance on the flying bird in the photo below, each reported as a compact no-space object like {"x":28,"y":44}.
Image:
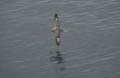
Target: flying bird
{"x":56,"y":28}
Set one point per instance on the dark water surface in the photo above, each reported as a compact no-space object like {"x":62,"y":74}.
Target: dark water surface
{"x":91,"y":41}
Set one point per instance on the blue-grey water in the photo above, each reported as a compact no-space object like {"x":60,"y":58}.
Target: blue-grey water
{"x":90,"y":41}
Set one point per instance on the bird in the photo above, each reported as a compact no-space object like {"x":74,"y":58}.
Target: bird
{"x":56,"y":28}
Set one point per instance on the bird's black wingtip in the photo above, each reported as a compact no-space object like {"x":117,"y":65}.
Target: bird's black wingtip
{"x":56,"y":15}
